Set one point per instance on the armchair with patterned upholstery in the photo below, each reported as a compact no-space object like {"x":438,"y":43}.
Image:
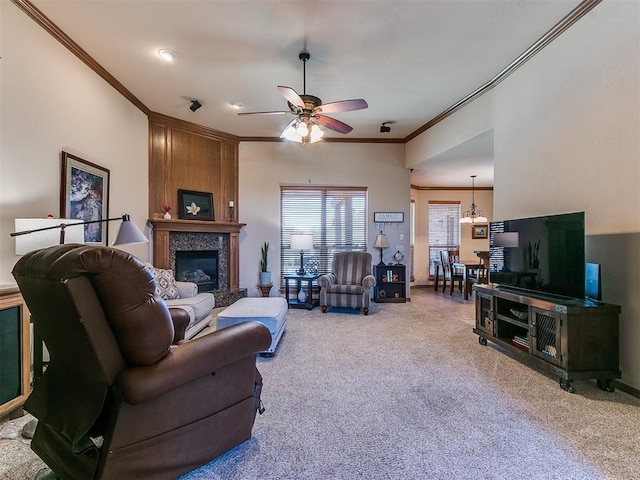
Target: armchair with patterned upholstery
{"x":349,"y":283}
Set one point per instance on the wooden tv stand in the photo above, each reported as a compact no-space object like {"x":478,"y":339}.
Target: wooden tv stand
{"x":571,"y":338}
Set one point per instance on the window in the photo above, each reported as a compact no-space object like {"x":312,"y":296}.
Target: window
{"x":336,"y":216}
{"x":444,"y":229}
{"x":497,"y":255}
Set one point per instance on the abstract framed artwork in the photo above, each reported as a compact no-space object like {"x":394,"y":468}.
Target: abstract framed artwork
{"x":84,"y":194}
{"x":195,"y":205}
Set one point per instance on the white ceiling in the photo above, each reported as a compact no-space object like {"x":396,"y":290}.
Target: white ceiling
{"x":409,"y":59}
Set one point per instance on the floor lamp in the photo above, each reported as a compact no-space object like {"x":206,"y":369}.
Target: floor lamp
{"x":128,"y":232}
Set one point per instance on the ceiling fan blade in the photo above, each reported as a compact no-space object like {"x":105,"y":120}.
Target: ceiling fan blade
{"x":291,"y":95}
{"x":277,"y":112}
{"x":333,"y":124}
{"x":342,"y":106}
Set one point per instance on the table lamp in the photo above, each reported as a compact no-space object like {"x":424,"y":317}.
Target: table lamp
{"x":302,"y":242}
{"x":381,"y":243}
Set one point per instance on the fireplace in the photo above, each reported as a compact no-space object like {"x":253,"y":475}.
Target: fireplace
{"x":178,"y":235}
{"x":199,"y":267}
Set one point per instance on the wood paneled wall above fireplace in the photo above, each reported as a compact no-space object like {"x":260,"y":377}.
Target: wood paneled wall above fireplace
{"x":187,"y":156}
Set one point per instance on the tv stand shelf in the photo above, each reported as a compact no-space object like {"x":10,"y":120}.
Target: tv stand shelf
{"x":571,"y":338}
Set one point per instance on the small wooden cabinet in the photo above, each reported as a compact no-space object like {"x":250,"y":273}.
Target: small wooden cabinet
{"x":571,"y":338}
{"x":15,"y":357}
{"x":390,"y":283}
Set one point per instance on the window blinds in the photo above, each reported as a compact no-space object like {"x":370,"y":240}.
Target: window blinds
{"x":336,"y":216}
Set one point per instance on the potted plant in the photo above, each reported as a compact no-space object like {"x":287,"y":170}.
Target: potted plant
{"x":532,"y":251}
{"x":265,"y":275}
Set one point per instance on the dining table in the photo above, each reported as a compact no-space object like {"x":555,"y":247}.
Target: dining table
{"x":466,"y":269}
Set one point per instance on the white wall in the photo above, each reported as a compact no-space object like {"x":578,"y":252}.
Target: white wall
{"x":472,"y":120}
{"x":51,"y":101}
{"x":266,"y":166}
{"x":567,"y":138}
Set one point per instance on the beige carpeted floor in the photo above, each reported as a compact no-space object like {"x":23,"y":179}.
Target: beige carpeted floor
{"x":408,"y":393}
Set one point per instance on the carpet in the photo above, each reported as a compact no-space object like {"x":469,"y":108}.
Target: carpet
{"x":407,"y":392}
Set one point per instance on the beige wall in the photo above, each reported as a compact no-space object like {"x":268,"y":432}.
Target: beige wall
{"x":567,"y":138}
{"x":484,"y":201}
{"x":266,"y":166}
{"x":51,"y":102}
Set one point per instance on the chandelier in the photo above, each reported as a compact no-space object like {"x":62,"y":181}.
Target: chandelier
{"x":473,"y":215}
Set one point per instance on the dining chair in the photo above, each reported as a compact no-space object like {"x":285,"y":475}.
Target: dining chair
{"x":481,"y":273}
{"x":449,"y":273}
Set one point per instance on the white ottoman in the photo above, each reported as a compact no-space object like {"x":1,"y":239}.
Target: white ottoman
{"x":270,"y":311}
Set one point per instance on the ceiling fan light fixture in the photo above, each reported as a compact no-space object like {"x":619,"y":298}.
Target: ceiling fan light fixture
{"x":310,"y":111}
{"x":291,"y":134}
{"x":303,"y":129}
{"x":316,"y":134}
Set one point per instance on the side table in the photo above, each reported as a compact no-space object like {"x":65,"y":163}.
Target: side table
{"x":301,"y":281}
{"x":265,"y":289}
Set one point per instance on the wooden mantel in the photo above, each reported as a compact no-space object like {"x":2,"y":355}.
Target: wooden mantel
{"x":162,"y":228}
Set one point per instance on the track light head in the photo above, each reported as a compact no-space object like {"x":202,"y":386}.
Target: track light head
{"x":384,"y":128}
{"x":195,"y":105}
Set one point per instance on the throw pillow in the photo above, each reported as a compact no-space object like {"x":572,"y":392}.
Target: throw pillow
{"x":166,"y":287}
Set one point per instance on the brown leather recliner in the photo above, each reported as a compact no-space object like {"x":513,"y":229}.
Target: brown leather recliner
{"x":118,"y":400}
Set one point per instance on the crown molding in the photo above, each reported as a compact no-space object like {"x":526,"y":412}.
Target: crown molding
{"x":416,"y":187}
{"x":161,"y":119}
{"x":572,"y":17}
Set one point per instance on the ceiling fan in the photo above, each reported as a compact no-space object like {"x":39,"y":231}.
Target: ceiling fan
{"x":309,"y":111}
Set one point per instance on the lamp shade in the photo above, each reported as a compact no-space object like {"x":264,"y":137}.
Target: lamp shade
{"x":35,"y":240}
{"x":302,"y":241}
{"x":506,"y":239}
{"x":129,"y":233}
{"x":381,"y":241}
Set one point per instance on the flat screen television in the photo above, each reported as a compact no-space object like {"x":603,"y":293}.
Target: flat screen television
{"x":539,"y":254}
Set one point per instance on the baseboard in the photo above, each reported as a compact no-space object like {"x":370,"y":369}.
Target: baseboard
{"x":626,"y":388}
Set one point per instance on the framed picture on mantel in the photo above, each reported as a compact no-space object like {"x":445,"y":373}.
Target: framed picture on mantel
{"x":195,"y":205}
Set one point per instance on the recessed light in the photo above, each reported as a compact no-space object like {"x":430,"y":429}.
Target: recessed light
{"x":236,"y":105}
{"x":168,"y":55}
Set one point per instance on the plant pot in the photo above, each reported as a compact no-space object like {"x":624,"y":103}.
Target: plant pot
{"x":265,"y":278}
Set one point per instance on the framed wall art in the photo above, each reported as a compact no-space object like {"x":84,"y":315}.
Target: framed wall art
{"x":195,"y":205}
{"x":84,"y":194}
{"x":479,"y":231}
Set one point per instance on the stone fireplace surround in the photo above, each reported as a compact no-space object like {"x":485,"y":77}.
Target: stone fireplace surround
{"x":172,"y":235}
